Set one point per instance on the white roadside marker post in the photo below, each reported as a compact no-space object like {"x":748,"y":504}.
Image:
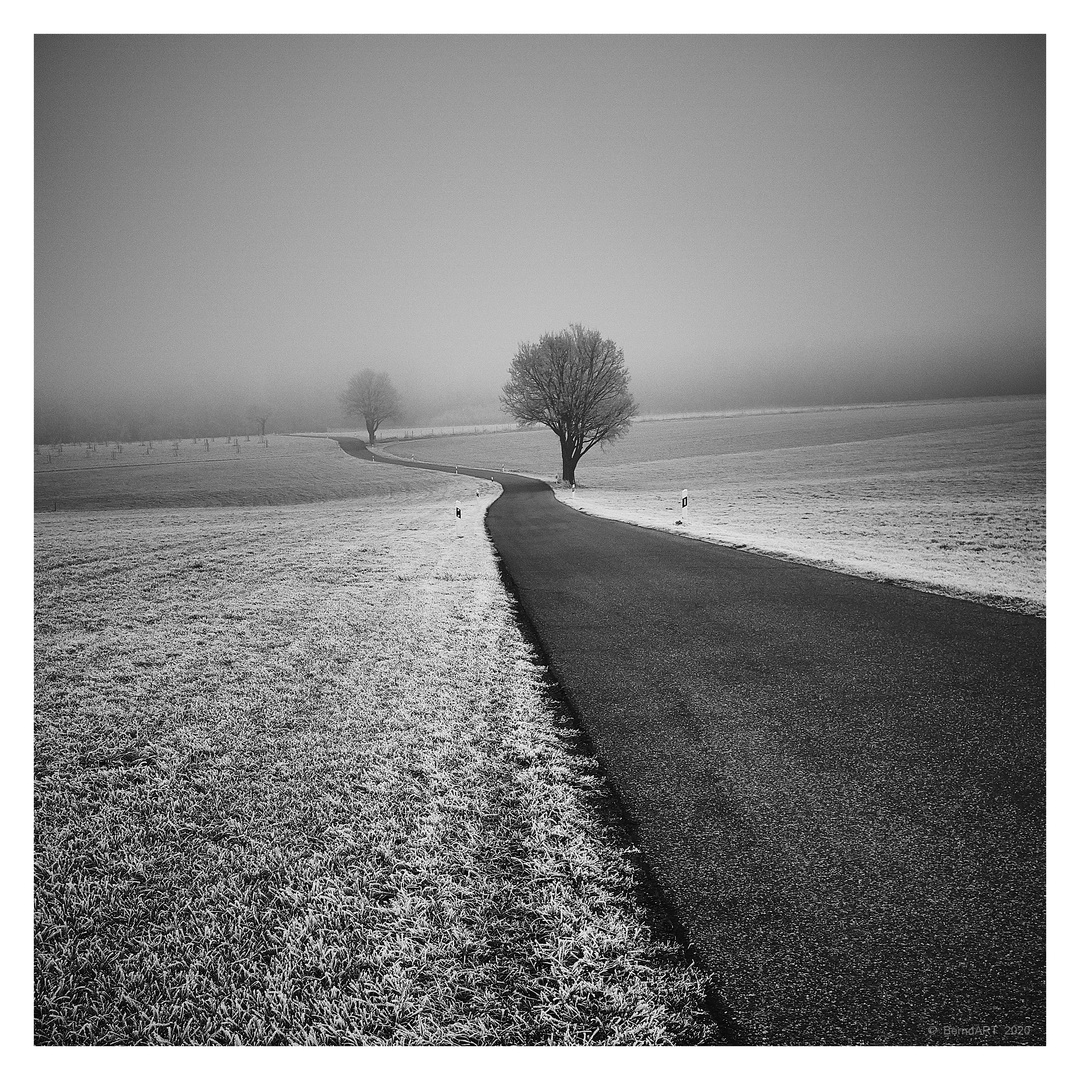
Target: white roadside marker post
{"x":460,"y":530}
{"x":682,"y":515}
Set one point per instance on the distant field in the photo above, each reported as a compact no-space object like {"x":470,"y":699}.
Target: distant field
{"x":210,"y":473}
{"x":948,"y":496}
{"x":296,"y":781}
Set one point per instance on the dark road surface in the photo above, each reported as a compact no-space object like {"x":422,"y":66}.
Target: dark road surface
{"x":839,"y":784}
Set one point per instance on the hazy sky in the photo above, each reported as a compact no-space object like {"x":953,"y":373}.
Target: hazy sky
{"x":264,"y":211}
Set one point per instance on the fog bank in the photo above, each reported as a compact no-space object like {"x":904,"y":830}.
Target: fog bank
{"x":755,"y":220}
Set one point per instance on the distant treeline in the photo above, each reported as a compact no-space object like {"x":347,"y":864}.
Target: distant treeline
{"x":822,"y":380}
{"x":61,"y":421}
{"x":62,"y":418}
{"x":720,"y":383}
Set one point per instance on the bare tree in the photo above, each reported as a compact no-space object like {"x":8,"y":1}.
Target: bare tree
{"x":370,"y":394}
{"x":259,"y":414}
{"x":576,"y":383}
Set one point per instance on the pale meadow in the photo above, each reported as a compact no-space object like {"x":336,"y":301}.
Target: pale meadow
{"x":298,"y":781}
{"x":947,"y":496}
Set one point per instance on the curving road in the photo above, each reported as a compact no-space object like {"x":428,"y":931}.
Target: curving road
{"x":839,"y":784}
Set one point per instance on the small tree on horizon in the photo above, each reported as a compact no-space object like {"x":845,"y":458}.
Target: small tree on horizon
{"x":259,"y":414}
{"x":370,"y":394}
{"x":576,"y":383}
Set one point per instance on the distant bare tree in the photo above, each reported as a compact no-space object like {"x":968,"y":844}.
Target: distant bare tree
{"x":259,"y":414}
{"x":576,"y":383}
{"x":370,"y":394}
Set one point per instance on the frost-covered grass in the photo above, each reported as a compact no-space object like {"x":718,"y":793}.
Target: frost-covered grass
{"x":945,"y":496}
{"x":207,"y":473}
{"x":296,"y":781}
{"x":969,"y":524}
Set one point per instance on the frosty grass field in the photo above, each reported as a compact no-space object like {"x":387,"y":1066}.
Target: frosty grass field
{"x":296,"y":779}
{"x":946,"y":496}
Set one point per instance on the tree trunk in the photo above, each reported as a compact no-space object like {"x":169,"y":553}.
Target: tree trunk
{"x":371,"y":426}
{"x":569,"y":464}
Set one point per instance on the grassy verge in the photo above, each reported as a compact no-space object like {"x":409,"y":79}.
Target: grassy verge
{"x":296,"y":782}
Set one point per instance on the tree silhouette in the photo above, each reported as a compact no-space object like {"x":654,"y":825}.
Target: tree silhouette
{"x":259,"y":414}
{"x":576,"y":383}
{"x":371,"y":395}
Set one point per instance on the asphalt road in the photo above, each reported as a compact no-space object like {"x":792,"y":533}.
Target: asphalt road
{"x":839,"y":784}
